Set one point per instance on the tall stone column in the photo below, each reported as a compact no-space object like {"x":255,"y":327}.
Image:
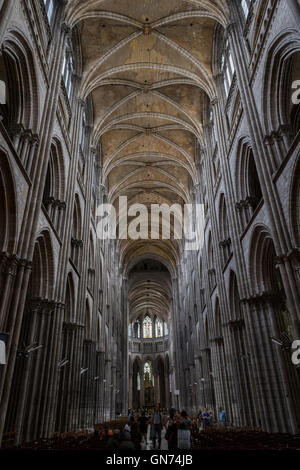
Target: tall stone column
{"x":107,"y":394}
{"x":273,"y":206}
{"x":130,"y":390}
{"x":113,"y":392}
{"x":142,"y":391}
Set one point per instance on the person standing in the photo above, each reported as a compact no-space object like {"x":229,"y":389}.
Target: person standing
{"x":184,"y":432}
{"x":171,"y":433}
{"x":200,"y":421}
{"x":222,"y":417}
{"x":206,"y":419}
{"x":156,"y":422}
{"x":131,"y":416}
{"x":143,"y":424}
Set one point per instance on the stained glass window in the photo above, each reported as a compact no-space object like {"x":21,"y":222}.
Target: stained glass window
{"x":158,"y":328}
{"x":137,"y":329}
{"x":68,"y":69}
{"x":227,"y":67}
{"x":147,"y":330}
{"x":245,"y":4}
{"x":49,"y":9}
{"x":148,"y":377}
{"x":138,"y":381}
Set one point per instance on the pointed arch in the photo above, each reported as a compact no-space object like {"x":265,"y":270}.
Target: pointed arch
{"x":281,"y":115}
{"x":225,"y":240}
{"x":22,"y":108}
{"x":295,"y":204}
{"x":42,"y":276}
{"x":8,"y":206}
{"x":234,"y":297}
{"x":69,"y":299}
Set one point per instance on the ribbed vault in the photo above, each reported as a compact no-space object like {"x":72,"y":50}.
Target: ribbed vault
{"x":148,"y":67}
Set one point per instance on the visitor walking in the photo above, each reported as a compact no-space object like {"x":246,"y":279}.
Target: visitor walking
{"x":206,"y":419}
{"x":156,"y":422}
{"x":171,"y":433}
{"x":143,"y":425}
{"x":184,"y":432}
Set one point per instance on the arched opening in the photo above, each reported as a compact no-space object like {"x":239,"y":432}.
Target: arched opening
{"x":295,"y":204}
{"x":211,"y":264}
{"x":249,"y":193}
{"x":148,"y":384}
{"x":19,"y":104}
{"x":282,"y":116}
{"x":147,"y":327}
{"x":276,"y":330}
{"x":225,"y":240}
{"x":91,"y":268}
{"x":76,"y":240}
{"x":53,"y":195}
{"x":8,"y":210}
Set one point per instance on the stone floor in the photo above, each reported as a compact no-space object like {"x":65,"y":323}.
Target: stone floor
{"x":149,"y":444}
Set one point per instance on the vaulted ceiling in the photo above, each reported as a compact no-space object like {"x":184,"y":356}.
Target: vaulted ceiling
{"x":148,"y":67}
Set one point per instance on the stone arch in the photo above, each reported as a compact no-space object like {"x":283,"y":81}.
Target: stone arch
{"x":21,"y":109}
{"x":248,"y":188}
{"x":261,"y":260}
{"x":88,"y":319}
{"x":41,"y":283}
{"x":91,"y":265}
{"x":54,"y":189}
{"x":295,"y":204}
{"x":76,"y":241}
{"x":274,"y":320}
{"x":225,"y":240}
{"x":8,"y":206}
{"x":211,"y":263}
{"x":69,"y":298}
{"x":234,"y":297}
{"x":266,"y":280}
{"x":282,"y":68}
{"x":55,"y":180}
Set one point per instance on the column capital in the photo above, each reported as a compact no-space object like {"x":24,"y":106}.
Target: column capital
{"x":65,"y":28}
{"x":81,"y":102}
{"x":230,"y":28}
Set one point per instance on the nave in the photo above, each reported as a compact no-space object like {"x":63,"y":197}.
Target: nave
{"x":115,"y":110}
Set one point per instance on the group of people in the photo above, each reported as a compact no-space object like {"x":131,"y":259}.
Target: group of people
{"x":206,"y":419}
{"x":177,"y":427}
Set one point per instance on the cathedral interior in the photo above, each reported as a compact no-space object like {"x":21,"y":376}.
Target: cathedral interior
{"x":170,"y":102}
